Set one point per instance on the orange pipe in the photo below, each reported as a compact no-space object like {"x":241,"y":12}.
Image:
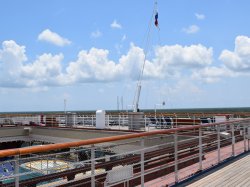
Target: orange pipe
{"x":49,"y":147}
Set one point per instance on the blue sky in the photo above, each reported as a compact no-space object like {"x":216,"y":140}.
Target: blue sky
{"x":91,"y":52}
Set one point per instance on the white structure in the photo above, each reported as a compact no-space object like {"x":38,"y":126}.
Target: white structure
{"x":119,"y":173}
{"x":100,"y":119}
{"x":221,"y":118}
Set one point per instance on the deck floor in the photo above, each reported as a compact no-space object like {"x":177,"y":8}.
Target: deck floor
{"x":234,"y":174}
{"x":210,"y":161}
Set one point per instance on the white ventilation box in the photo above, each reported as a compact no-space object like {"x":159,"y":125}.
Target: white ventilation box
{"x":100,"y":119}
{"x":225,"y":134}
{"x":119,"y":173}
{"x":219,"y":119}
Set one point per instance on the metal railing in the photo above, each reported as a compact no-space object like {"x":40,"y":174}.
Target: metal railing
{"x":121,"y":121}
{"x":146,"y":158}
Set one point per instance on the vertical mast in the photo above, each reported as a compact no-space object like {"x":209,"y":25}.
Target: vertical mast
{"x":145,"y":51}
{"x":65,"y":102}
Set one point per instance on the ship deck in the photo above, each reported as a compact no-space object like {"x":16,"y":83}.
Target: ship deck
{"x":233,"y":174}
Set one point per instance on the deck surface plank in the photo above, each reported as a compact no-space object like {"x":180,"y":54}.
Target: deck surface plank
{"x":234,"y":174}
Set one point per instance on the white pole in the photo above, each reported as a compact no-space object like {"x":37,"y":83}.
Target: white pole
{"x":200,"y":149}
{"x":118,"y":103}
{"x":233,"y":140}
{"x":16,"y":171}
{"x":244,"y":135}
{"x":121,"y":102}
{"x":65,"y":102}
{"x":155,"y":111}
{"x":142,"y":162}
{"x":218,"y":145}
{"x":176,"y":156}
{"x":92,"y":166}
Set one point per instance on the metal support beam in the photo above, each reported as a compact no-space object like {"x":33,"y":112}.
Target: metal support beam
{"x":200,"y":148}
{"x":233,"y":140}
{"x":176,"y":156}
{"x":142,"y":162}
{"x":218,"y":142}
{"x":92,"y":166}
{"x":16,"y":171}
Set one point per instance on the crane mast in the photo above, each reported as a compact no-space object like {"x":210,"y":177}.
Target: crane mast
{"x":138,"y":89}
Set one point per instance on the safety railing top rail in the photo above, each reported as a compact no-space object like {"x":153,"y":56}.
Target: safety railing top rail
{"x":57,"y":146}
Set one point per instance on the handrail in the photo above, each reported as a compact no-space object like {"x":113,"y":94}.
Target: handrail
{"x":49,"y":147}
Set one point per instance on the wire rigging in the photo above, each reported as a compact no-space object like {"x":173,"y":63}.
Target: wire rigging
{"x":146,"y":49}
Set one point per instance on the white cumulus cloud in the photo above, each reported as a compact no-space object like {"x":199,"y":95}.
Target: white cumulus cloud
{"x":193,"y":56}
{"x":92,"y":65}
{"x":12,"y":57}
{"x":115,"y":25}
{"x":234,"y":63}
{"x":129,"y":65}
{"x":239,"y":59}
{"x":44,"y":71}
{"x":54,"y":38}
{"x":95,"y":65}
{"x":173,"y":62}
{"x":192,"y":29}
{"x":211,"y":74}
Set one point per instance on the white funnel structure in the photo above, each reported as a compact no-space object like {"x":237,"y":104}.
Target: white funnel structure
{"x":100,"y":119}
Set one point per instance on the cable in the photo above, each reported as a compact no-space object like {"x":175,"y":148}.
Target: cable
{"x":138,"y":88}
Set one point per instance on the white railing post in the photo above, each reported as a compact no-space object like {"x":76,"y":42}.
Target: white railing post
{"x":44,"y":118}
{"x":218,"y":142}
{"x":200,"y":148}
{"x":244,"y":136}
{"x":16,"y":171}
{"x":83,"y":120}
{"x":176,"y":156}
{"x":92,"y":166}
{"x":176,"y":121}
{"x":146,"y":123}
{"x":119,"y":121}
{"x":142,"y":162}
{"x":92,"y":118}
{"x":108,"y":121}
{"x":233,"y":140}
{"x":122,"y":119}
